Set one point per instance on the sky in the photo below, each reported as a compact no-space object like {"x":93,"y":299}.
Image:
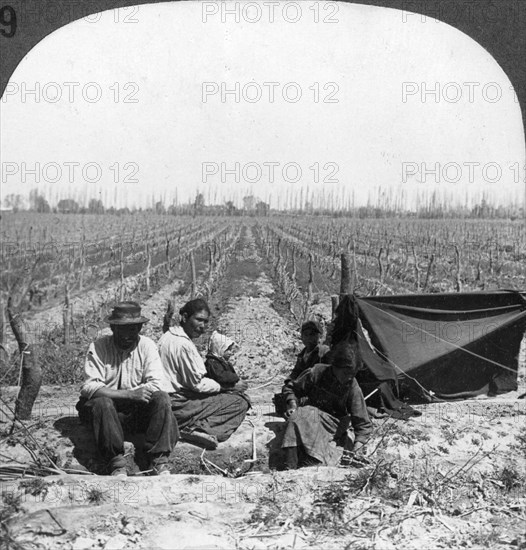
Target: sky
{"x":132,"y":106}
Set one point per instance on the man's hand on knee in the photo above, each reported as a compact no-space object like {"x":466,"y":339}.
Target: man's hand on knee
{"x":143,"y":394}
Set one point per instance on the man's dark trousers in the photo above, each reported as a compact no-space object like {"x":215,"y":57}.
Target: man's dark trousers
{"x":109,"y":417}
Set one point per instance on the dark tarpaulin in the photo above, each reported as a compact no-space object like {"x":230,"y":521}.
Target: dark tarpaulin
{"x":454,"y":345}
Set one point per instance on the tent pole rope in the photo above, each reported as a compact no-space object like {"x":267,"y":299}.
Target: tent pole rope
{"x":376,"y":350}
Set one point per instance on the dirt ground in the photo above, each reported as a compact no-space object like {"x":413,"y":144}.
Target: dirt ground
{"x":454,"y":477}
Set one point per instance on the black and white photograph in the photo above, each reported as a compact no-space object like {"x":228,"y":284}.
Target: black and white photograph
{"x":263,"y":274}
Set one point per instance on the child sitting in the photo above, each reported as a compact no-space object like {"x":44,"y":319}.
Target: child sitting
{"x":218,"y":366}
{"x":312,"y":354}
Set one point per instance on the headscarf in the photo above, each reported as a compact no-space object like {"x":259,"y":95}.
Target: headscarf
{"x":218,"y":344}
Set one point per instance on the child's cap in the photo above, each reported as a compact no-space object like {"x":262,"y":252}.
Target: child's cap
{"x":312,"y":324}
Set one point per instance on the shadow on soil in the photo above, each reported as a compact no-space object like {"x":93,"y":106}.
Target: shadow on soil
{"x":185,"y":458}
{"x":85,"y":450}
{"x":276,"y":457}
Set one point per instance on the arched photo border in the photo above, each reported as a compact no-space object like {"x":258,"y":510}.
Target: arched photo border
{"x":497,"y":25}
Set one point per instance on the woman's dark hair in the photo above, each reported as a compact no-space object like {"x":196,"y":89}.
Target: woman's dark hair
{"x":193,"y":306}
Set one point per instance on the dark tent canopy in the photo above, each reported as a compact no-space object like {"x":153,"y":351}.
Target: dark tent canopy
{"x":421,"y":347}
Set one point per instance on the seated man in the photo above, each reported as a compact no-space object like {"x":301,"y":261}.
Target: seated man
{"x":334,"y":402}
{"x":122,"y":389}
{"x":206,"y":411}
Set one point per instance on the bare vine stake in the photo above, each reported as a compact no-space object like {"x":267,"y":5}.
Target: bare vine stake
{"x":310,"y":292}
{"x":333,"y":262}
{"x":355,"y":280}
{"x":278,"y":263}
{"x":387,"y":262}
{"x":294,"y":265}
{"x":210,"y":260}
{"x":478,"y":278}
{"x":148,"y":266}
{"x":428,"y":274}
{"x":66,"y":317}
{"x":194,"y":276}
{"x":406,"y":259}
{"x":380,"y":266}
{"x":216,"y":252}
{"x":3,"y":353}
{"x":491,"y":263}
{"x":121,"y":266}
{"x":417,"y":270}
{"x":167,"y":253}
{"x":82,"y":259}
{"x":458,"y":283}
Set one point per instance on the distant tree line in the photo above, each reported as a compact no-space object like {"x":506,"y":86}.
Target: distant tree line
{"x":252,"y":206}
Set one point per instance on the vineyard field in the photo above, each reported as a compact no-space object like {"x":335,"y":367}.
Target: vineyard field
{"x":454,"y":477}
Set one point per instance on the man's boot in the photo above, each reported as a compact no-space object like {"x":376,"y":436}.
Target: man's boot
{"x":117,"y":466}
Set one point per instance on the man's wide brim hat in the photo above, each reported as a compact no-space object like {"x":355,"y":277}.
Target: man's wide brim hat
{"x":126,"y":313}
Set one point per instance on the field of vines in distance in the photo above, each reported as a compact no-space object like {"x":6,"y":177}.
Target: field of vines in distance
{"x":72,"y":253}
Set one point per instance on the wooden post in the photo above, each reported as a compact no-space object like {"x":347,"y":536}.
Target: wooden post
{"x":31,"y":371}
{"x":345,"y":282}
{"x":66,"y":317}
{"x":194,"y":276}
{"x":293,"y":276}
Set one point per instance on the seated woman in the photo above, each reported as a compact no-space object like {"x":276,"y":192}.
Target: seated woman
{"x":334,"y":403}
{"x":206,"y":411}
